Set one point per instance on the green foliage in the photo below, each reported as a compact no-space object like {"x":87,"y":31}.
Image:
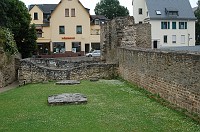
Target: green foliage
{"x":110,"y":9}
{"x":15,"y":16}
{"x":113,"y":106}
{"x":7,"y":41}
{"x":197,"y":30}
{"x":30,"y":43}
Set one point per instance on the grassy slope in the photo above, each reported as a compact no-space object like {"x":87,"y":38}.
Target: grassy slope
{"x":112,"y":106}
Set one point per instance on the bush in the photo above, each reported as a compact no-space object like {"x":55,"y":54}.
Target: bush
{"x":7,"y":41}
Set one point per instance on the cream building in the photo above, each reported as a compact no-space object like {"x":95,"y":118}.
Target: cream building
{"x":65,"y":29}
{"x":172,"y":21}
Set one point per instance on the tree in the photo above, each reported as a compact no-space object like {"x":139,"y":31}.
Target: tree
{"x":7,"y":41}
{"x":110,"y":9}
{"x":15,"y":16}
{"x":197,"y":29}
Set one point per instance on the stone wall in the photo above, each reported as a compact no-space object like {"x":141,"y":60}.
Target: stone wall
{"x":174,"y":76}
{"x":30,"y":71}
{"x":8,"y":69}
{"x":123,"y":32}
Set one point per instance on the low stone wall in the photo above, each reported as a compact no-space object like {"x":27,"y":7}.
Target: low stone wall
{"x":8,"y":69}
{"x":30,"y":72}
{"x":174,"y":76}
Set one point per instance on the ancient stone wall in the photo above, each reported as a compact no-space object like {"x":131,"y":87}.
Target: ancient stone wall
{"x":123,"y":32}
{"x":30,"y":71}
{"x":174,"y":76}
{"x":8,"y":69}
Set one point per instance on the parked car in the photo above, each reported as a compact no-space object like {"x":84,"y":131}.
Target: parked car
{"x":94,"y":53}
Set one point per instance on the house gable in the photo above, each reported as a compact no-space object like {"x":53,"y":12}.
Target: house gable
{"x":36,"y":15}
{"x":69,"y":2}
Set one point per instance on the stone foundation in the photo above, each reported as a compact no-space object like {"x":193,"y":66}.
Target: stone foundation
{"x":32,"y":72}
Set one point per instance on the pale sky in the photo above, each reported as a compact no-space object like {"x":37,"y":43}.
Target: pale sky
{"x":92,"y":3}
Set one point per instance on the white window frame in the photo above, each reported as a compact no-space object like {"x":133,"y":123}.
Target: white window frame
{"x":174,"y":39}
{"x":182,"y":39}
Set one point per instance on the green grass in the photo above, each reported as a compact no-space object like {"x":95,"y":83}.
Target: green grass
{"x":113,"y":106}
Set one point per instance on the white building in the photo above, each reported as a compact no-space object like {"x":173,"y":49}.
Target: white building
{"x":172,"y":21}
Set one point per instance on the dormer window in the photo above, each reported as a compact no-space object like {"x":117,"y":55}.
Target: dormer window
{"x":96,"y":22}
{"x":171,"y":12}
{"x":158,"y":12}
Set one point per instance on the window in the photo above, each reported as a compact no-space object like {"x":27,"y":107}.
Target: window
{"x":165,"y":38}
{"x":66,"y":12}
{"x":173,"y":25}
{"x":96,"y":22}
{"x":58,"y":47}
{"x":73,"y":12}
{"x":182,"y":39}
{"x":173,"y":38}
{"x":39,"y":33}
{"x":165,"y":25}
{"x":173,"y":13}
{"x":61,"y":29}
{"x":140,"y":11}
{"x":158,"y":12}
{"x":182,"y":25}
{"x":76,"y":47}
{"x":78,"y":29}
{"x":35,"y":16}
{"x":140,"y":22}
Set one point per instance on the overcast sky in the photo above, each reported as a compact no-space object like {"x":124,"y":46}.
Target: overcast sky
{"x":92,"y":3}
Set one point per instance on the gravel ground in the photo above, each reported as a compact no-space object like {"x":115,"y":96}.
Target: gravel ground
{"x":9,"y":87}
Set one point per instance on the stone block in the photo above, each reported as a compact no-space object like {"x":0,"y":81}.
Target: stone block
{"x":68,"y":82}
{"x":67,"y":98}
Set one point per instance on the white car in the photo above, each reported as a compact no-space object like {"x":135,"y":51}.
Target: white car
{"x":95,"y":53}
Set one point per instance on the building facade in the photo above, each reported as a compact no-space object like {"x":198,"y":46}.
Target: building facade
{"x":65,"y":29}
{"x":172,"y":21}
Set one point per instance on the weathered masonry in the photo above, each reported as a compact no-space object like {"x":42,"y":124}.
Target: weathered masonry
{"x":8,"y":69}
{"x":175,"y":76}
{"x":39,"y":70}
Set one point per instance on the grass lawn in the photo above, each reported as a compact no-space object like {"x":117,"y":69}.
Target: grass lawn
{"x":113,"y":106}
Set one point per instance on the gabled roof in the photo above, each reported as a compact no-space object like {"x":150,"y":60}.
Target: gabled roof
{"x":101,"y":17}
{"x":183,"y":7}
{"x":46,"y":8}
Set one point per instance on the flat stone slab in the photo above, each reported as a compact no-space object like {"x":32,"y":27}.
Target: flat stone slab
{"x":67,"y":98}
{"x":94,"y":79}
{"x":68,"y":82}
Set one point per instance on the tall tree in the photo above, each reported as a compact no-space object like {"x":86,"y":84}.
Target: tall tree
{"x":110,"y":9}
{"x":15,"y":16}
{"x":197,"y":29}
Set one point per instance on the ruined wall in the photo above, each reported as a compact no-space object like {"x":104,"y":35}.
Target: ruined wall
{"x":30,"y":71}
{"x":174,"y":76}
{"x":8,"y":69}
{"x":123,"y":32}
